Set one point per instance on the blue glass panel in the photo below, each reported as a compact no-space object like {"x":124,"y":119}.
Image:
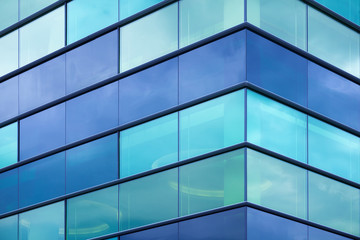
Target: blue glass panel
{"x":92,"y":62}
{"x":42,"y":132}
{"x":212,"y":67}
{"x":9,"y":228}
{"x":9,"y":52}
{"x":318,"y":234}
{"x":130,"y":7}
{"x":276,"y":69}
{"x":159,"y":233}
{"x":9,"y":13}
{"x":9,"y":99}
{"x":42,"y":84}
{"x":8,"y":145}
{"x":92,"y":163}
{"x":148,"y":91}
{"x":9,"y":190}
{"x":30,"y":7}
{"x":349,"y":9}
{"x":42,"y":180}
{"x":92,"y":113}
{"x":149,"y":145}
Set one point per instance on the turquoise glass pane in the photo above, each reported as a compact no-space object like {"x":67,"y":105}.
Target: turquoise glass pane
{"x":149,"y":37}
{"x":30,"y":7}
{"x":334,"y":204}
{"x":149,"y":199}
{"x":8,"y":13}
{"x":276,"y":127}
{"x":275,"y":184}
{"x":334,"y":42}
{"x":130,"y":7}
{"x":212,"y":183}
{"x":212,"y":125}
{"x":9,"y":228}
{"x":93,"y":214}
{"x":9,"y":52}
{"x":349,"y":9}
{"x":286,"y":19}
{"x":334,"y":150}
{"x":43,"y":223}
{"x":85,"y":17}
{"x":42,"y":36}
{"x":9,"y":193}
{"x":203,"y":18}
{"x":149,"y":145}
{"x":8,"y":145}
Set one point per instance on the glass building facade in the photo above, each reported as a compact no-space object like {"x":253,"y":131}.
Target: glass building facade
{"x":179,"y":120}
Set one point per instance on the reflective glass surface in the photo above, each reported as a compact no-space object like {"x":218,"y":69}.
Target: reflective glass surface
{"x":9,"y":99}
{"x":9,"y":228}
{"x":159,"y":233}
{"x":30,"y":7}
{"x":9,"y":13}
{"x":349,"y":9}
{"x":318,"y":234}
{"x":9,"y":52}
{"x":9,"y":197}
{"x":8,"y":145}
{"x":130,"y":7}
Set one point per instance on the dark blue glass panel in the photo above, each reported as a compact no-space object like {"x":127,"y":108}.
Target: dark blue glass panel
{"x":9,"y":228}
{"x":334,"y":96}
{"x":212,"y":67}
{"x":159,"y":233}
{"x":9,"y":99}
{"x":42,"y":84}
{"x":42,"y":180}
{"x":9,"y":191}
{"x":229,"y":225}
{"x":42,"y":132}
{"x":92,"y":62}
{"x":261,"y":225}
{"x":92,"y":163}
{"x":149,"y":91}
{"x":92,"y":113}
{"x":276,"y":69}
{"x":130,"y":7}
{"x":318,"y":234}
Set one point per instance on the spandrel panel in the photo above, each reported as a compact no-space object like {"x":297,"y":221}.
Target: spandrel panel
{"x":8,"y":145}
{"x":130,"y":7}
{"x":28,"y":8}
{"x":9,"y":228}
{"x":349,"y":9}
{"x":9,"y":197}
{"x":164,"y":232}
{"x":9,"y":13}
{"x":9,"y":52}
{"x":9,"y":98}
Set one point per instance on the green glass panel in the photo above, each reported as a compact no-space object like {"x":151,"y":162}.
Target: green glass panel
{"x":203,"y":18}
{"x":8,"y":13}
{"x":334,"y":204}
{"x":9,"y":228}
{"x":8,"y":144}
{"x":93,"y":214}
{"x":212,"y":125}
{"x":9,"y":52}
{"x":28,"y":7}
{"x":149,"y":199}
{"x":276,"y":127}
{"x":286,"y":19}
{"x":275,"y":184}
{"x":212,"y":183}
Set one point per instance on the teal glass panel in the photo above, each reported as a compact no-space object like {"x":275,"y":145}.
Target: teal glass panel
{"x":9,"y":228}
{"x":334,"y":42}
{"x":349,"y":9}
{"x":212,"y":125}
{"x":9,"y":193}
{"x":149,"y":145}
{"x":203,"y":18}
{"x":286,"y":19}
{"x":334,"y":150}
{"x":334,"y":204}
{"x":9,"y":52}
{"x":275,"y":184}
{"x":30,"y":7}
{"x":149,"y":199}
{"x":212,"y":183}
{"x":43,"y":223}
{"x":130,"y":7}
{"x":42,"y":36}
{"x":85,"y":17}
{"x":276,"y":127}
{"x":8,"y":13}
{"x":8,"y":145}
{"x":93,"y":214}
{"x":149,"y":37}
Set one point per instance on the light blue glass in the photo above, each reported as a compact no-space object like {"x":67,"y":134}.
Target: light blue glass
{"x":9,"y":52}
{"x":8,"y":145}
{"x":85,"y":17}
{"x":9,"y":13}
{"x":9,"y":98}
{"x":30,"y":7}
{"x":149,"y":145}
{"x":9,"y":194}
{"x":212,"y":125}
{"x":43,"y":223}
{"x":349,"y":9}
{"x":130,"y":7}
{"x":276,"y":127}
{"x":149,"y":37}
{"x":9,"y":228}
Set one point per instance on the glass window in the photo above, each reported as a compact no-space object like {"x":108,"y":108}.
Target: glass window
{"x":149,"y":145}
{"x":42,"y":84}
{"x":164,"y":232}
{"x":8,"y":145}
{"x":92,"y":62}
{"x":276,"y":69}
{"x":333,"y":42}
{"x":318,"y":234}
{"x":212,"y":183}
{"x":276,"y":184}
{"x":334,"y":204}
{"x":9,"y":228}
{"x":213,"y":67}
{"x":92,"y":113}
{"x":149,"y":37}
{"x":9,"y":52}
{"x":42,"y":132}
{"x":93,"y":214}
{"x":42,"y":36}
{"x":9,"y":191}
{"x":43,"y":223}
{"x":85,"y":17}
{"x":276,"y":127}
{"x":92,"y":163}
{"x":212,"y":125}
{"x":30,"y":7}
{"x":149,"y":199}
{"x":349,"y":9}
{"x":42,"y":180}
{"x":8,"y":13}
{"x":286,"y":19}
{"x":149,"y":91}
{"x":130,"y":7}
{"x":9,"y":98}
{"x":203,"y":18}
